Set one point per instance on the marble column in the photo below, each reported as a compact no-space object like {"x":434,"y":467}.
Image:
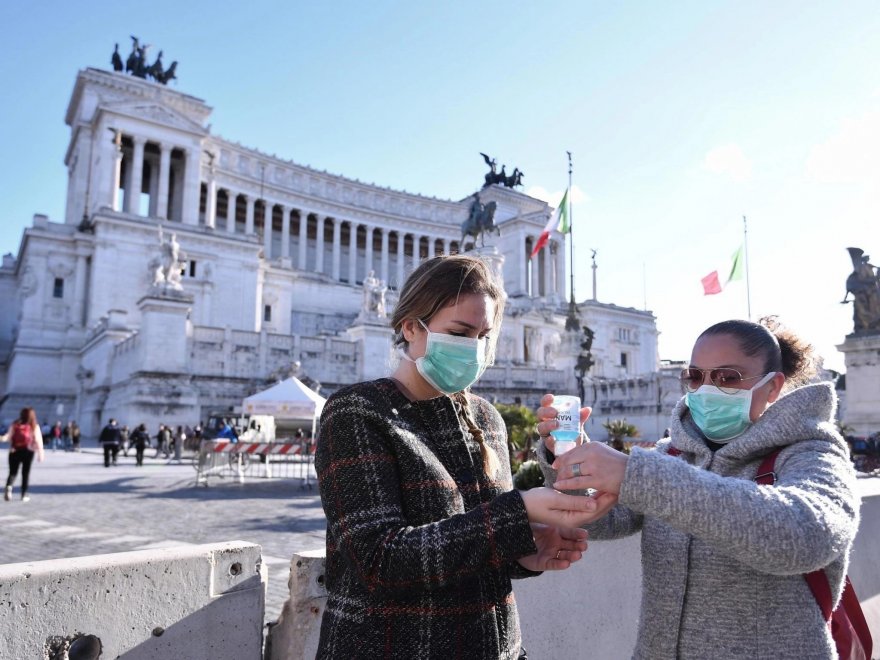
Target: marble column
{"x":117,"y":172}
{"x":79,"y":290}
{"x":230,"y":210}
{"x":352,"y":252}
{"x":401,"y":256}
{"x":384,"y":263}
{"x":268,"y":207}
{"x":191,"y":188}
{"x":153,"y":186}
{"x":522,"y":264}
{"x":319,"y":247}
{"x":164,"y":176}
{"x":337,"y":247}
{"x":211,"y":202}
{"x":285,"y":233}
{"x":547,"y":256}
{"x":432,"y":248}
{"x":560,"y":270}
{"x":446,"y":245}
{"x":249,"y":215}
{"x":136,"y":177}
{"x":536,"y":277}
{"x":368,"y":249}
{"x":416,"y":251}
{"x":303,"y":239}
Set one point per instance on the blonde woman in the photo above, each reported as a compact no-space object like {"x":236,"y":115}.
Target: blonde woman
{"x":424,"y":531}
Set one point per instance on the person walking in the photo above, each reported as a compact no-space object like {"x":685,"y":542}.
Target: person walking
{"x":424,"y":529}
{"x":140,"y":439}
{"x":124,"y":439}
{"x":75,"y":435}
{"x":109,"y":439}
{"x":162,"y":441}
{"x":55,"y":435}
{"x":65,"y":437}
{"x":726,"y":540}
{"x":179,"y":440}
{"x":25,"y":441}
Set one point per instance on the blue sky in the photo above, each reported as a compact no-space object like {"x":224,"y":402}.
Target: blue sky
{"x":681,"y":117}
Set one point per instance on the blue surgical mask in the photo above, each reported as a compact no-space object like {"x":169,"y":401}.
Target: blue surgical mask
{"x":720,"y":416}
{"x":451,"y":364}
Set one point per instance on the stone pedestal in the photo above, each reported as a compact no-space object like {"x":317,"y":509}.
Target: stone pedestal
{"x":493,"y":257}
{"x":163,"y":331}
{"x":374,"y":347}
{"x":862,"y":359}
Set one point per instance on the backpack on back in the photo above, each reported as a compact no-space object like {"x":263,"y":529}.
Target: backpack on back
{"x":22,"y":436}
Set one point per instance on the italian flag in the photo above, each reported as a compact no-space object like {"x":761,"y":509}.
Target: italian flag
{"x":711,"y":283}
{"x":558,"y":222}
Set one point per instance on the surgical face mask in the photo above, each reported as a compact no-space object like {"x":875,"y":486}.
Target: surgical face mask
{"x":722,"y":417}
{"x":451,"y":364}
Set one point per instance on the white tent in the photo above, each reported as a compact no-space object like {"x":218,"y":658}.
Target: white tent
{"x":288,"y":400}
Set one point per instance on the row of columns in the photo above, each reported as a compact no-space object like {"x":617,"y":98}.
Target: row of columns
{"x":382,"y":267}
{"x":163,"y":203}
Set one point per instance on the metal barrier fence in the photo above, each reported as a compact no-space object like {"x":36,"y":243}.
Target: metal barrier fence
{"x":275,"y":460}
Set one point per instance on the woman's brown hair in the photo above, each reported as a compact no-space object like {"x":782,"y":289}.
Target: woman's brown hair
{"x":436,"y":284}
{"x":27,"y":416}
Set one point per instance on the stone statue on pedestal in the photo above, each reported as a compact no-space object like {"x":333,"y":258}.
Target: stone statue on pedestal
{"x":167,"y":268}
{"x":373,"y":305}
{"x":864,"y":285}
{"x":480,"y":221}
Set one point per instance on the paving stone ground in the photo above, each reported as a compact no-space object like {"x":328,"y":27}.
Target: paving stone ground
{"x":78,"y":507}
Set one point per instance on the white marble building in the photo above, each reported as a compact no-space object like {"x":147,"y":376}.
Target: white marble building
{"x":276,"y":254}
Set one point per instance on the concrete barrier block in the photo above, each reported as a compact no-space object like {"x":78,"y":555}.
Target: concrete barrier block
{"x":194,"y":602}
{"x":295,"y":635}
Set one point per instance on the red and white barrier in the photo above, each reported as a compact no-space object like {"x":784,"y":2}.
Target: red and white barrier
{"x":266,"y":448}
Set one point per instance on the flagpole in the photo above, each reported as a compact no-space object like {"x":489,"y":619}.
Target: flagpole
{"x":572,"y":322}
{"x":746,"y":246}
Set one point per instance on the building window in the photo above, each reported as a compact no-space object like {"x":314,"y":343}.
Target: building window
{"x":58,"y":288}
{"x":192,"y":268}
{"x":623,"y":360}
{"x":624,"y":334}
{"x":267,"y":313}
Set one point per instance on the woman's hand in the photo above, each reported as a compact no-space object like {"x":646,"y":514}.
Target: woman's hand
{"x":547,"y":421}
{"x":548,"y":506}
{"x":558,"y":548}
{"x":592,"y":465}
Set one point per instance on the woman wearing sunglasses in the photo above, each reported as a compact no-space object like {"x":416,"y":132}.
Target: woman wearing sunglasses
{"x":424,"y":529}
{"x":723,"y":556}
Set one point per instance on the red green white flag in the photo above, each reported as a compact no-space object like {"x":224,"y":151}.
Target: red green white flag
{"x":711,"y":283}
{"x":558,"y":222}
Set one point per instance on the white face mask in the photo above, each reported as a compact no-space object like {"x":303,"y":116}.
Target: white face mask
{"x":720,"y":416}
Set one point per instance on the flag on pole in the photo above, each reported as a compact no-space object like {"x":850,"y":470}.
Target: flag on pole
{"x":711,"y":283}
{"x":559,"y":222}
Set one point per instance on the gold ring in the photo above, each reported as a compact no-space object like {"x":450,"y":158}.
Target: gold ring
{"x":576,"y":470}
{"x":557,"y":553}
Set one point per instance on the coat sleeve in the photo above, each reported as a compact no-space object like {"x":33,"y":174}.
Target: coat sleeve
{"x":802,"y":523}
{"x":618,"y":523}
{"x":38,"y":441}
{"x":360,"y":489}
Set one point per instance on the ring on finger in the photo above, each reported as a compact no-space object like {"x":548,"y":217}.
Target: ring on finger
{"x":558,"y":553}
{"x":576,"y":470}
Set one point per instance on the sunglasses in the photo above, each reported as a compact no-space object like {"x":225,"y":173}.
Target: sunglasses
{"x":727,"y":380}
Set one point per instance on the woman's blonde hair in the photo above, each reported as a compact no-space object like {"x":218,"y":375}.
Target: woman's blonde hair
{"x":436,"y":284}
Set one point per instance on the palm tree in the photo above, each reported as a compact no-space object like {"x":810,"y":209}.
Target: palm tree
{"x":520,"y":422}
{"x":619,"y":429}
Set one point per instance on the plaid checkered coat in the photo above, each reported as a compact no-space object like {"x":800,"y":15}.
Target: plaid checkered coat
{"x":421,"y":545}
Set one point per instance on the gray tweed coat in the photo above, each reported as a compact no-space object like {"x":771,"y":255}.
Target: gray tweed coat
{"x":723,"y":558}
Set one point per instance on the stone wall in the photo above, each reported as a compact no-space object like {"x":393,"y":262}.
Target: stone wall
{"x":197,"y":602}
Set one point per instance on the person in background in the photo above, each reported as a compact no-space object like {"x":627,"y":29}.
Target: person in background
{"x":140,"y":439}
{"x":124,"y":439}
{"x":724,"y":556}
{"x":162,"y":441}
{"x":179,"y":440}
{"x":25,"y":441}
{"x":65,"y":437}
{"x":109,"y":439}
{"x":55,"y":435}
{"x":75,"y":436}
{"x":424,"y":529}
